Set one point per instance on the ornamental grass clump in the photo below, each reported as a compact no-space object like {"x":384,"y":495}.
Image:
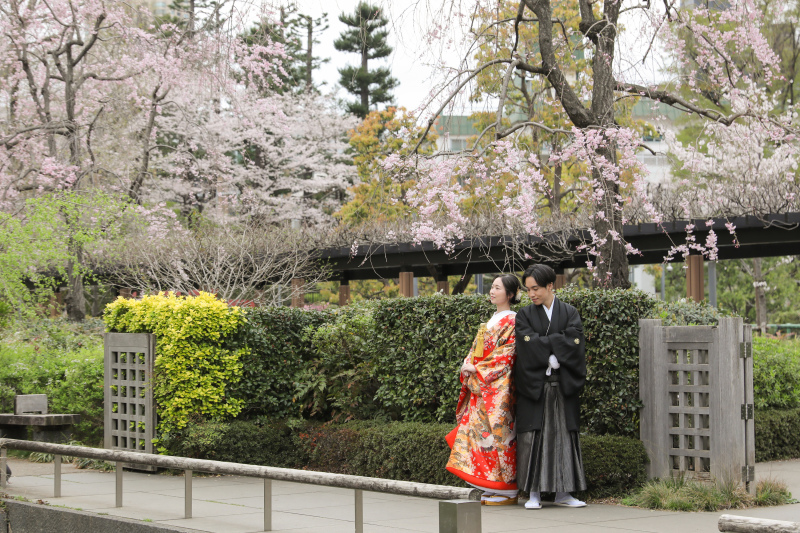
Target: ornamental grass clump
{"x":195,"y":363}
{"x":680,"y":494}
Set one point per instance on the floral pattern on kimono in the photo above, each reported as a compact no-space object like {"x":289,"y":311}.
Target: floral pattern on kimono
{"x":483,"y":444}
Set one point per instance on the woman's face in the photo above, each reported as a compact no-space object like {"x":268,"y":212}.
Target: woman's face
{"x":497,"y":294}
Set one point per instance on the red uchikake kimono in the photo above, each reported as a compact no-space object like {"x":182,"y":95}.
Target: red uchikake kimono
{"x":484,"y":444}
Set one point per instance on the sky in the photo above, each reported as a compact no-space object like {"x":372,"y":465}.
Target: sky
{"x":408,"y":62}
{"x":411,"y":60}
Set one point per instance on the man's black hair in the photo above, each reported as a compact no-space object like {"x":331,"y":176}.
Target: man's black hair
{"x":543,"y":275}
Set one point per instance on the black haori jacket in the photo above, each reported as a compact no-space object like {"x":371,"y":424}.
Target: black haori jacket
{"x":565,"y":340}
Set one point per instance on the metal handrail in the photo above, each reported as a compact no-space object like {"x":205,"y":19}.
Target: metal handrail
{"x":268,"y":473}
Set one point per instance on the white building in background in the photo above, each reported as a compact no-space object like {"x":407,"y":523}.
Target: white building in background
{"x":457,"y":132}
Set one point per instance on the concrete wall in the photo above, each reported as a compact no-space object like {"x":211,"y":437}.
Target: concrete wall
{"x":26,"y":517}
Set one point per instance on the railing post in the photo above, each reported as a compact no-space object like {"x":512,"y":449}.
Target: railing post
{"x":57,"y":476}
{"x":459,"y":516}
{"x":267,"y":505}
{"x":187,"y":497}
{"x":119,"y":468}
{"x":3,"y":463}
{"x":359,"y":511}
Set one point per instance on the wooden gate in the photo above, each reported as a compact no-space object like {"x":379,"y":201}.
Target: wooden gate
{"x":696,"y":383}
{"x":130,"y":418}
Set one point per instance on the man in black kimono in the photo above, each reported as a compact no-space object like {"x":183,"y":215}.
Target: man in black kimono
{"x":549,"y":374}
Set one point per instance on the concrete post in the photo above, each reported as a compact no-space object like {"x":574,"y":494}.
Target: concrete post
{"x":712,"y":283}
{"x":479,"y":283}
{"x":459,"y":516}
{"x":56,"y":476}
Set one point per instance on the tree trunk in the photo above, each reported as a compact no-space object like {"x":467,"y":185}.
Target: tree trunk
{"x":75,"y":300}
{"x":309,"y":52}
{"x":461,"y":286}
{"x":612,"y":263}
{"x":761,"y":296}
{"x":364,"y":67}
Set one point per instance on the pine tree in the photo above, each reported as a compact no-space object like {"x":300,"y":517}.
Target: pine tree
{"x":366,"y":36}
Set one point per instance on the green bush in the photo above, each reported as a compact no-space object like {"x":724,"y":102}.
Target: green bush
{"x":278,"y":348}
{"x":776,"y":373}
{"x":610,"y":400}
{"x":62,"y":360}
{"x":194,"y":363}
{"x":339,"y":382}
{"x":418,"y":346}
{"x":406,"y":451}
{"x":685,"y":312}
{"x":776,"y":434}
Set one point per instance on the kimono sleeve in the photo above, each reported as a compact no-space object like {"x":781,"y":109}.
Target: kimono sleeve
{"x":569,"y":347}
{"x":500,"y":362}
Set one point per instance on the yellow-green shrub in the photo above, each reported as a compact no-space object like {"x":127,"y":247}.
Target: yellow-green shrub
{"x":193,"y":365}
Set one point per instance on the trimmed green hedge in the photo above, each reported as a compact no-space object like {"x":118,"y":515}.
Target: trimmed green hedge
{"x":776,"y":373}
{"x":610,"y":400}
{"x":777,"y":434}
{"x":407,"y":451}
{"x":278,"y":348}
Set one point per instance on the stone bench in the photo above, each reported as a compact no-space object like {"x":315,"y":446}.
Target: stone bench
{"x":31,"y":410}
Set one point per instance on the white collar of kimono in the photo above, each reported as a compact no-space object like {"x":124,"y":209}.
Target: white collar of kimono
{"x":549,"y":311}
{"x":497,"y":317}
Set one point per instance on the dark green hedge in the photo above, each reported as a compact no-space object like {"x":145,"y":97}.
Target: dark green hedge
{"x":777,"y":434}
{"x":419,"y":346}
{"x":610,"y":399}
{"x":408,"y":451}
{"x":398,"y":359}
{"x":278,"y":348}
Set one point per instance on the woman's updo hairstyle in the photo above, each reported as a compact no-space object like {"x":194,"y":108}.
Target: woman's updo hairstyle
{"x":512,"y":286}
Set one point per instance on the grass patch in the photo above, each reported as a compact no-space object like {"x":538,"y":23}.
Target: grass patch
{"x":679,"y":494}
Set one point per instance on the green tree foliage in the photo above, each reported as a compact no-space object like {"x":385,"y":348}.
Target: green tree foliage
{"x":377,"y":197}
{"x":62,"y":360}
{"x":736,"y":287}
{"x":366,"y":36}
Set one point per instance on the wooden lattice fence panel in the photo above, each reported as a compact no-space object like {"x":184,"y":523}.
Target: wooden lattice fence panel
{"x":697,"y":389}
{"x":130,"y":418}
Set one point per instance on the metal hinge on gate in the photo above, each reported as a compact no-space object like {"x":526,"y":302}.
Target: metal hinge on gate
{"x":747,"y":411}
{"x":748,"y":474}
{"x":745,"y":349}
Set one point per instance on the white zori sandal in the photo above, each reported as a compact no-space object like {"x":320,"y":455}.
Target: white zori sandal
{"x":565,"y":499}
{"x":534,"y":502}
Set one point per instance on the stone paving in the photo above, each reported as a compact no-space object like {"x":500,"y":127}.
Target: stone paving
{"x":232,"y":504}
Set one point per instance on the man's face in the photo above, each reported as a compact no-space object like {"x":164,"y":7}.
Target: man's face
{"x":539,"y":295}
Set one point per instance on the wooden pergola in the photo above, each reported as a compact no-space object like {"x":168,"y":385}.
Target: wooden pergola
{"x":763,"y":236}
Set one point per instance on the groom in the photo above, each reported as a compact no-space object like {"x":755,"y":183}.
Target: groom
{"x":549,"y":374}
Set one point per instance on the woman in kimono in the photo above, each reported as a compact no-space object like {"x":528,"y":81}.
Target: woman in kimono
{"x":484,"y":444}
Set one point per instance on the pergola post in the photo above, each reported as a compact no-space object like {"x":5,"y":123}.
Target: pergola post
{"x":561,"y":280}
{"x":344,"y":291}
{"x":695,"y":278}
{"x":298,"y":296}
{"x":442,"y":285}
{"x":407,"y":284}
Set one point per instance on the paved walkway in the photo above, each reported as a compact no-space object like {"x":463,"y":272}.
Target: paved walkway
{"x":233,"y":504}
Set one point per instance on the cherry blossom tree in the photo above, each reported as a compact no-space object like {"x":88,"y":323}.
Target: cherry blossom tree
{"x":103,"y":101}
{"x":722,"y":71}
